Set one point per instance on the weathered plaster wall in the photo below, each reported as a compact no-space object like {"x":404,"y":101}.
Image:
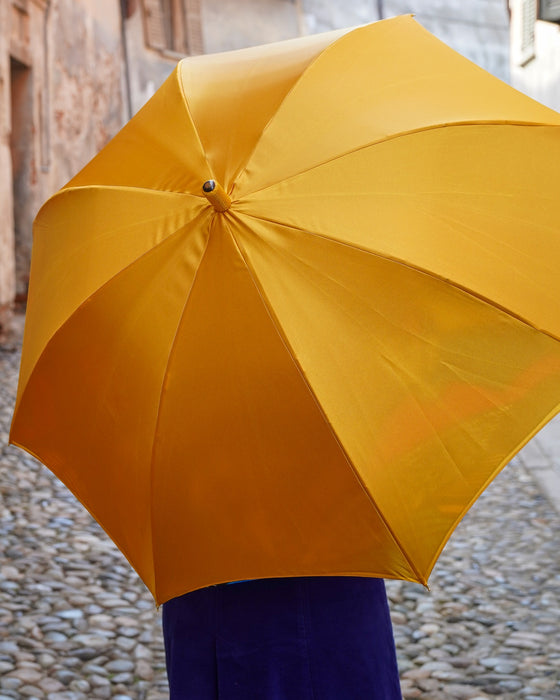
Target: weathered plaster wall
{"x":61,"y":90}
{"x":7,"y":257}
{"x":148,"y":69}
{"x":27,"y":97}
{"x":87,"y":95}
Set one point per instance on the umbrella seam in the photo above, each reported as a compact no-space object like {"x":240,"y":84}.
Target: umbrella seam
{"x":309,"y":66}
{"x":242,"y":170}
{"x":300,"y":371}
{"x":401,"y":134}
{"x":503,"y":464}
{"x":71,"y":486}
{"x":179,"y":78}
{"x":397,"y":371}
{"x":107,"y":235}
{"x":402,"y":377}
{"x":77,"y":310}
{"x":108,"y":281}
{"x":161,"y":397}
{"x":333,"y":280}
{"x":457,"y":222}
{"x":117,"y":188}
{"x":416,"y":268}
{"x":387,"y":318}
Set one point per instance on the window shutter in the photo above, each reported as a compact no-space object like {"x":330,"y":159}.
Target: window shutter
{"x":173,"y":26}
{"x":194,"y":27}
{"x":528,"y":32}
{"x":154,"y":24}
{"x":523,"y":18}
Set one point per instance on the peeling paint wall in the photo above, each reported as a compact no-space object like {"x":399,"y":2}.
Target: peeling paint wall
{"x":61,"y":97}
{"x":71,"y":73}
{"x":147,"y":68}
{"x":87,"y":98}
{"x":7,"y":251}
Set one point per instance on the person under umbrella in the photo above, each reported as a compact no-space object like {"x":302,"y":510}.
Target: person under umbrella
{"x":282,"y":639}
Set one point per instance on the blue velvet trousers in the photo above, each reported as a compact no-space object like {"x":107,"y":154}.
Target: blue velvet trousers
{"x":318,"y":638}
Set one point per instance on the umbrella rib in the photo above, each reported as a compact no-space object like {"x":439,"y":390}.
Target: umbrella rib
{"x":401,"y":134}
{"x":179,"y":77}
{"x":83,"y":304}
{"x":406,"y":378}
{"x":415,"y":268}
{"x":122,"y":188}
{"x":243,"y":169}
{"x":502,"y":465}
{"x":285,"y":342}
{"x":111,"y":188}
{"x":161,"y":398}
{"x":342,"y":35}
{"x":104,"y":284}
{"x":388,"y":320}
{"x":116,"y":188}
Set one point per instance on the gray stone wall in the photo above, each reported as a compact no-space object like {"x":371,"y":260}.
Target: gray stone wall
{"x":478,"y":29}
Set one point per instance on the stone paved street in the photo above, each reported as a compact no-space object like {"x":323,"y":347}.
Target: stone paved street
{"x":76,"y":623}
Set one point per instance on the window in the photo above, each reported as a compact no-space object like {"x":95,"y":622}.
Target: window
{"x":523,"y":18}
{"x":173,"y":26}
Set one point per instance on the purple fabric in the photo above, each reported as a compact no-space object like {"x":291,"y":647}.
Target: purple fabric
{"x":319,"y":638}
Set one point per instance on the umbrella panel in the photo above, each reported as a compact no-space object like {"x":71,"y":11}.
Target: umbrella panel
{"x":429,"y":389}
{"x":90,"y":407}
{"x":116,"y":227}
{"x":346,"y":347}
{"x":205,"y":443}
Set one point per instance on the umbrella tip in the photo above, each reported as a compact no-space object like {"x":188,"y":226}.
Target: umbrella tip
{"x":209,"y":186}
{"x":216,"y":195}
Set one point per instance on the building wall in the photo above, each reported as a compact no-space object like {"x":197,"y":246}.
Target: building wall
{"x":478,"y":29}
{"x":153,"y":44}
{"x":21,"y":59}
{"x":61,"y":96}
{"x":539,"y":75}
{"x":147,"y":69}
{"x":86,"y":101}
{"x":64,"y":92}
{"x":7,"y":252}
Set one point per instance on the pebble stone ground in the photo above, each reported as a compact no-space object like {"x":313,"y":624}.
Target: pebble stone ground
{"x":76,"y":623}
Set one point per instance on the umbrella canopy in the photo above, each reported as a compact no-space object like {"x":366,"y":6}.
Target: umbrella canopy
{"x":300,"y":311}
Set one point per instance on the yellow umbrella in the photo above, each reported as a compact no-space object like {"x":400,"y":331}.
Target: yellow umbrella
{"x":300,"y":311}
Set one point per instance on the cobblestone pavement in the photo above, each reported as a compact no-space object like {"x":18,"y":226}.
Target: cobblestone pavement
{"x":76,"y":623}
